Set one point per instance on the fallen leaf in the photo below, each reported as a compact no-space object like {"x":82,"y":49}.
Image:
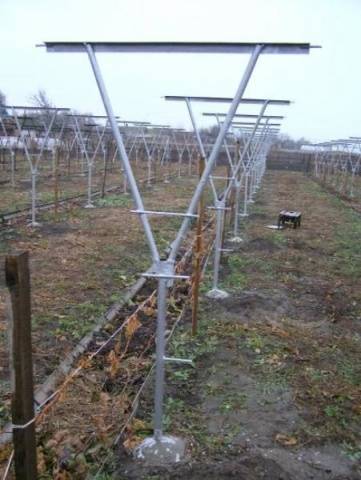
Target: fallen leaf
{"x":286,"y":440}
{"x":114,"y":364}
{"x":132,"y":326}
{"x":132,"y":442}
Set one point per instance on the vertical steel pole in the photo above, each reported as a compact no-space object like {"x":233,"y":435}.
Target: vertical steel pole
{"x":34,"y":223}
{"x":217,"y":248}
{"x":12,"y":155}
{"x":90,"y":169}
{"x":160,"y":353}
{"x":236,"y":208}
{"x":245,"y":202}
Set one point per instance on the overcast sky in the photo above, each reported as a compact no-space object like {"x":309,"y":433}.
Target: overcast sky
{"x":324,"y":85}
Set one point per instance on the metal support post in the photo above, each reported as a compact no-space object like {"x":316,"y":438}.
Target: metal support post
{"x":89,"y":203}
{"x":33,"y":222}
{"x":12,"y":159}
{"x":160,"y":354}
{"x":216,"y":292}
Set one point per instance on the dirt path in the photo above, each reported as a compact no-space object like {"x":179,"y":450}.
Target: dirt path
{"x":276,"y":392}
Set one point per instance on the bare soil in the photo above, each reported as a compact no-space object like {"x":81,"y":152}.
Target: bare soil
{"x":276,"y":388}
{"x":82,"y":261}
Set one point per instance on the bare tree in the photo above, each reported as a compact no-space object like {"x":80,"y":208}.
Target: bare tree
{"x":287,"y":142}
{"x":2,"y":103}
{"x":41,"y":99}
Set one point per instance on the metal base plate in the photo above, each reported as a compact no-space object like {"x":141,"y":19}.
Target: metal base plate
{"x":217,"y":294}
{"x":164,"y":451}
{"x":275,"y":227}
{"x":34,"y":224}
{"x":235,"y":240}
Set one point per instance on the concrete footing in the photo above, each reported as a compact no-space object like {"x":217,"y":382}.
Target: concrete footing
{"x":164,"y":451}
{"x":34,"y":224}
{"x":235,"y":240}
{"x":217,"y":294}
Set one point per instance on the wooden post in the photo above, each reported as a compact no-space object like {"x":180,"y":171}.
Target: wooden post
{"x":197,"y":262}
{"x":18,"y":282}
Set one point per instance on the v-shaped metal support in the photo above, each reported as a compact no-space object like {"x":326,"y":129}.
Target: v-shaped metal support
{"x":167,"y":266}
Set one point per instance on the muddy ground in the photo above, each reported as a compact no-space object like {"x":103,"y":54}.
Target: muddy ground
{"x":275,"y":392}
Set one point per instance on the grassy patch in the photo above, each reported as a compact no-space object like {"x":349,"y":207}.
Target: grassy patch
{"x":114,"y":200}
{"x":348,"y":246}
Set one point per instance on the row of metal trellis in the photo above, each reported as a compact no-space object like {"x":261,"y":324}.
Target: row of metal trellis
{"x":244,"y":145}
{"x":338,"y":165}
{"x":54,"y":142}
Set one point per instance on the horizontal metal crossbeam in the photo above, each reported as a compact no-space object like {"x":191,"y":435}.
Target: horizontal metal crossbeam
{"x":135,"y":122}
{"x":250,"y":101}
{"x":179,"y":47}
{"x":84,"y":115}
{"x":243,"y":115}
{"x":235,"y":124}
{"x":166,"y":214}
{"x":165,"y":276}
{"x":23,"y":107}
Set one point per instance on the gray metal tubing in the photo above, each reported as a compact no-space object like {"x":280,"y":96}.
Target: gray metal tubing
{"x":226,"y":147}
{"x":236,"y":208}
{"x":33,"y":196}
{"x":124,"y":157}
{"x":33,"y":165}
{"x":200,"y":144}
{"x":218,"y":242}
{"x":215,"y":151}
{"x":254,"y":156}
{"x":246,"y":147}
{"x":12,"y":155}
{"x":160,"y":354}
{"x":245,"y":198}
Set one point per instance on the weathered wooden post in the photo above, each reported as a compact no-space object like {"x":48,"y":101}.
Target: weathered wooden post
{"x":18,"y":282}
{"x":197,"y":258}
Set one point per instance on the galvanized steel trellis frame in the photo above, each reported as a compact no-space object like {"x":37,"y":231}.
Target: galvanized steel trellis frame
{"x":34,"y":163}
{"x":163,"y":270}
{"x":233,"y":181}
